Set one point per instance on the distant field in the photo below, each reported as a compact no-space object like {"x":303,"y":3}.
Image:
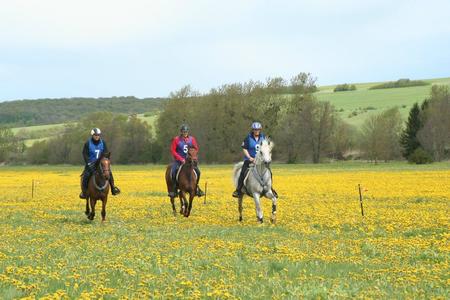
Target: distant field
{"x":377,"y":100}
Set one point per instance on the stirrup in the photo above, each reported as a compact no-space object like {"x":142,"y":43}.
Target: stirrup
{"x":82,"y":195}
{"x":236,"y":194}
{"x":172,"y":194}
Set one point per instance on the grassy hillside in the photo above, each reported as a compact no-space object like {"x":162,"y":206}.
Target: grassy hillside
{"x":376,"y":100}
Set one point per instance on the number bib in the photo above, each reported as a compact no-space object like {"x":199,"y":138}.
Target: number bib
{"x":95,"y":150}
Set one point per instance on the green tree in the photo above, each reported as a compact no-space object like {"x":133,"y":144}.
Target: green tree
{"x":409,"y":140}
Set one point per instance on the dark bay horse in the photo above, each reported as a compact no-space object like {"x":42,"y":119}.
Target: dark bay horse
{"x":187,"y":183}
{"x":98,"y":187}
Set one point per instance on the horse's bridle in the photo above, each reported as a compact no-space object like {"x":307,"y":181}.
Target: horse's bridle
{"x":102,"y":188}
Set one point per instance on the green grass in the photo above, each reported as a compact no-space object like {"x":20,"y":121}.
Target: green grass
{"x":382,"y":99}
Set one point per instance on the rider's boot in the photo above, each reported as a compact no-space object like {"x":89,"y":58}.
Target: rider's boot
{"x":84,"y":185}
{"x":238,"y":192}
{"x":199,"y":192}
{"x":115,"y":190}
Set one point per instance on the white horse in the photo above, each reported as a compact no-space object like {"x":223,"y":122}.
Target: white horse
{"x":258,"y":181}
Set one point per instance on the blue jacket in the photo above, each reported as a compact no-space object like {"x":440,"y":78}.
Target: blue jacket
{"x":251,"y":145}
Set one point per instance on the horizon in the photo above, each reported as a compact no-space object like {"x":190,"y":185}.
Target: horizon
{"x":149,"y":49}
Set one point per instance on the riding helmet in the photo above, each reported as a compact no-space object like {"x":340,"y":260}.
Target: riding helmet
{"x":256,"y":125}
{"x":184,"y":127}
{"x":96,"y":131}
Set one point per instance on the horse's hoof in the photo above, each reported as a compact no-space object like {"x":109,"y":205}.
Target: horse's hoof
{"x":86,"y":213}
{"x":273,"y":220}
{"x":260,"y":220}
{"x":240,"y":219}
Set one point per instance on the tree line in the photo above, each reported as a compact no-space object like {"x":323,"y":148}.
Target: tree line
{"x":303,"y":128}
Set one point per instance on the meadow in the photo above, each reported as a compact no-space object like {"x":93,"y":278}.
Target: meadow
{"x":321,"y":246}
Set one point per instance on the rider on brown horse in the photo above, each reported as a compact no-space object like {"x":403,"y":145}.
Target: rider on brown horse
{"x":92,"y":151}
{"x":179,"y":150}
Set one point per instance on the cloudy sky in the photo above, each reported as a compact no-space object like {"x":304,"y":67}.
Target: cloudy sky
{"x":59,"y":48}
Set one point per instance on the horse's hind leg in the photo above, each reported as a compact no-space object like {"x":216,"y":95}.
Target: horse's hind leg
{"x":172,"y":201}
{"x":104,"y":209}
{"x":240,"y":208}
{"x":259,"y":213}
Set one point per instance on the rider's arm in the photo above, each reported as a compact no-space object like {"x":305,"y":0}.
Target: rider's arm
{"x":245,"y":149}
{"x":247,"y":154}
{"x":173,"y":150}
{"x":86,"y":153}
{"x":194,"y":143}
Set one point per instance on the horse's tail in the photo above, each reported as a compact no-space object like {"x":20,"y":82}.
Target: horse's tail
{"x":236,"y":171}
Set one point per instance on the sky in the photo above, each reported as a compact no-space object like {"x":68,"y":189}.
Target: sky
{"x":103,"y":48}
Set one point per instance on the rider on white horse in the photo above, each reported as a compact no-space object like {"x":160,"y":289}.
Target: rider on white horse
{"x":250,"y":147}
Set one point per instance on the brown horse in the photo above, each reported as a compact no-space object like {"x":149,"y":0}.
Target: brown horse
{"x":187,"y":183}
{"x":98,"y":187}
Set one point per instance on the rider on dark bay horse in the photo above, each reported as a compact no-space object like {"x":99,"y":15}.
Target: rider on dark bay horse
{"x":92,"y":151}
{"x":179,"y":150}
{"x":250,"y":147}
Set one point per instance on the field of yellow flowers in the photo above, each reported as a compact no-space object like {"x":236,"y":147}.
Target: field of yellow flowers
{"x":321,"y":246}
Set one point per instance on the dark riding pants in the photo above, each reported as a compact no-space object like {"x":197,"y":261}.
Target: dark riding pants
{"x":244,"y":171}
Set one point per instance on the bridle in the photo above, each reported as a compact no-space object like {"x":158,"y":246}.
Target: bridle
{"x":102,"y":176}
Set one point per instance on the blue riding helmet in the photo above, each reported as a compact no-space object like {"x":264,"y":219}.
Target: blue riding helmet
{"x":256,"y":125}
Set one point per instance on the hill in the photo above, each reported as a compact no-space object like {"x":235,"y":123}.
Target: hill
{"x":22,"y":113}
{"x":355,"y":106}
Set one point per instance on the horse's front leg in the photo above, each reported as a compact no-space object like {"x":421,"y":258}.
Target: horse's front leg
{"x":259,"y":213}
{"x":172,"y":201}
{"x":273,"y":218}
{"x":92,"y":214}
{"x":182,"y":202}
{"x":87,"y":207}
{"x":240,"y":207}
{"x":191,"y":198}
{"x":104,"y":200}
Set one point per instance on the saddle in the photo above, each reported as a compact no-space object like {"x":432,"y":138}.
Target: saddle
{"x":177,"y":173}
{"x":251,"y":169}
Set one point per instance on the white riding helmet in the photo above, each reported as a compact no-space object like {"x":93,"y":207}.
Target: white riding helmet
{"x":96,"y":131}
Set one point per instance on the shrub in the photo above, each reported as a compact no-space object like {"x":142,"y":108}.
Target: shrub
{"x":398,"y":84}
{"x":344,"y":87}
{"x":420,"y":156}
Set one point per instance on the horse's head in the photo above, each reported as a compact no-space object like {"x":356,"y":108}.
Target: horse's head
{"x":192,"y":156}
{"x":265,"y":151}
{"x":105,"y":165}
